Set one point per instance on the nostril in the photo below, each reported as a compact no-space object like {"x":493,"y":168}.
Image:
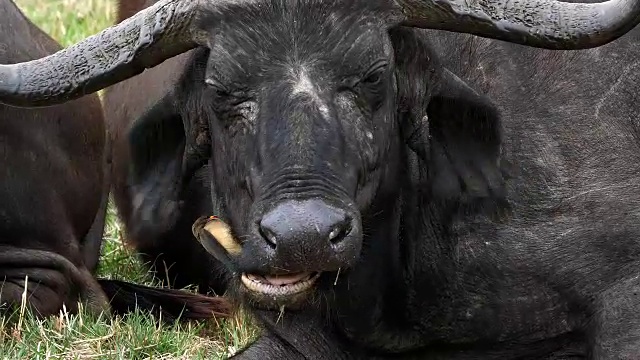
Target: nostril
{"x":340,"y":231}
{"x":268,"y":234}
{"x":293,"y":224}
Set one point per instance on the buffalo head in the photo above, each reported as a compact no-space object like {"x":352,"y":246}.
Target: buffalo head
{"x":299,"y":103}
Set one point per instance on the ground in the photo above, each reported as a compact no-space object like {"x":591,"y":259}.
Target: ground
{"x":137,"y":336}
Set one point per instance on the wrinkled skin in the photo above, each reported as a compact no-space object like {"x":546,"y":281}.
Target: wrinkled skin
{"x":53,"y":192}
{"x":495,"y":202}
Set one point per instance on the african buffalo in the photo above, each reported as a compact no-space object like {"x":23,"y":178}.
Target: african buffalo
{"x":53,"y":200}
{"x":383,"y":191}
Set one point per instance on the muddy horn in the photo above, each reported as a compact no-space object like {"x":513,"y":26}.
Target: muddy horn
{"x":117,"y":53}
{"x":546,"y":24}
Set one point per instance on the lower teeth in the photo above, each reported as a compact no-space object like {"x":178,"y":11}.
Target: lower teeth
{"x":263,"y":280}
{"x":261,"y":285}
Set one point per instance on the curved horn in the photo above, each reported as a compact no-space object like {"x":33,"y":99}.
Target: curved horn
{"x":119,"y":52}
{"x":545,"y":24}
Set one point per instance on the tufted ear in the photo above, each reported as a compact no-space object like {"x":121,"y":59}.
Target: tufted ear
{"x":453,"y":130}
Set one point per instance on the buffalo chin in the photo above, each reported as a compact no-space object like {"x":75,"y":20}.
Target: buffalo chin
{"x":272,"y":292}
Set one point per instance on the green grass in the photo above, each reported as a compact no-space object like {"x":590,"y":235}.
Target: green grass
{"x":69,"y":21}
{"x":85,"y":336}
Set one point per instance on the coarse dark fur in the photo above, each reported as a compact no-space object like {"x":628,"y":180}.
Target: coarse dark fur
{"x":54,"y":187}
{"x":499,"y":208}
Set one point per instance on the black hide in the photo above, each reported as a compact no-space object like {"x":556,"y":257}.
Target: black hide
{"x":53,"y":188}
{"x":509,"y":224}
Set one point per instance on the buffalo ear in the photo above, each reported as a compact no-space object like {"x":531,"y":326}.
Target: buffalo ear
{"x":156,"y":139}
{"x":453,"y":130}
{"x":464,"y":155}
{"x":157,"y":147}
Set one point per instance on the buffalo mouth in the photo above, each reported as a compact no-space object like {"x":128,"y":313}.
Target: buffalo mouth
{"x":280,"y":285}
{"x":264,"y":289}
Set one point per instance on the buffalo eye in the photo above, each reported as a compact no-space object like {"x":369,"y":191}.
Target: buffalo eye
{"x":234,"y":108}
{"x":369,"y":87}
{"x":222,"y":93}
{"x":374,"y":78}
{"x":223,"y":96}
{"x":217,"y":88}
{"x":375,"y":74}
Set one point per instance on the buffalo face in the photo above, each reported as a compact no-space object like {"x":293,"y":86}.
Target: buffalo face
{"x":298,"y":103}
{"x":303,"y":136}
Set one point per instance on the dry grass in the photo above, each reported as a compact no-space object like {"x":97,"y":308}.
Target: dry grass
{"x":83,"y":336}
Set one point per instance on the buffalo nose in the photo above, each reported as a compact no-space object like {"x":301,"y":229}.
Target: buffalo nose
{"x":305,"y":221}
